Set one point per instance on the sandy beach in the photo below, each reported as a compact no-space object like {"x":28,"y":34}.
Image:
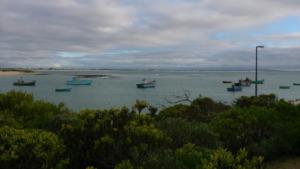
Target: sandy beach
{"x":10,"y":73}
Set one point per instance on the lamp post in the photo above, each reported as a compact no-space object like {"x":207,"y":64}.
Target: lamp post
{"x":256,"y":69}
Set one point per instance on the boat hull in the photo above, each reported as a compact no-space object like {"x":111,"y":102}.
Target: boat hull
{"x":284,"y":87}
{"x":24,"y":83}
{"x":142,"y":85}
{"x":63,"y":90}
{"x":234,"y":89}
{"x":258,"y":82}
{"x":79,"y":82}
{"x":296,"y":84}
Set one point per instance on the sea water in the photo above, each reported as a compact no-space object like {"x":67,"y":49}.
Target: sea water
{"x":119,"y":89}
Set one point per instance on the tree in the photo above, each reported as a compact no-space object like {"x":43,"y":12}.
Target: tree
{"x":153,"y":110}
{"x":140,"y":105}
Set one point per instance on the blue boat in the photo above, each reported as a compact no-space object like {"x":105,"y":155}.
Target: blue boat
{"x":146,"y":84}
{"x":237,"y":87}
{"x":77,"y":81}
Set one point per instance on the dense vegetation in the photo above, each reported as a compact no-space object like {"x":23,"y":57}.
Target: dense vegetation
{"x":203,"y":135}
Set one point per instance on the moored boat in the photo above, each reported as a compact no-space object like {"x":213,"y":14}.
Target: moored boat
{"x":296,"y":84}
{"x":284,"y":87}
{"x":146,"y":84}
{"x":77,"y":81}
{"x":63,"y":89}
{"x":246,"y":82}
{"x":235,"y":88}
{"x":21,"y":82}
{"x":258,"y":81}
{"x":225,"y":81}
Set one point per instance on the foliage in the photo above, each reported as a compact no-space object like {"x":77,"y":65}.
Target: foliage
{"x":176,"y":111}
{"x":205,"y":109}
{"x":223,"y":159}
{"x":27,"y":112}
{"x":183,"y":131}
{"x":245,"y":127}
{"x":203,"y":135}
{"x":269,"y":131}
{"x":124,"y":165}
{"x":152,"y":110}
{"x":201,"y":109}
{"x":30,"y":149}
{"x":104,"y":138}
{"x":267,"y":100}
{"x":140,"y":105}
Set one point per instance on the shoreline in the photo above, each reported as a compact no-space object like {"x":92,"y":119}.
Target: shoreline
{"x":11,"y":73}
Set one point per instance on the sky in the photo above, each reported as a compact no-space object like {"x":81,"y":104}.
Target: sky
{"x":149,"y":33}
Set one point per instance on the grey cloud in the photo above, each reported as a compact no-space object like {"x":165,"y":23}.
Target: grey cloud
{"x":33,"y":31}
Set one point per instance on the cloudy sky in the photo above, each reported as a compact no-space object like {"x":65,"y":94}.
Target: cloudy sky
{"x":148,"y":33}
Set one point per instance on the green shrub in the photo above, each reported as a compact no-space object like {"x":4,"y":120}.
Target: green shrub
{"x":30,"y":149}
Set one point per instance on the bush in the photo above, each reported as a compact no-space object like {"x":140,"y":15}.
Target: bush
{"x":205,"y":109}
{"x":27,"y":112}
{"x":267,"y":100}
{"x":183,"y":131}
{"x":30,"y":149}
{"x":247,"y":127}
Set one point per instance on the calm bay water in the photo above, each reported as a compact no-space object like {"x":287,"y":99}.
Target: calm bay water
{"x":121,"y":90}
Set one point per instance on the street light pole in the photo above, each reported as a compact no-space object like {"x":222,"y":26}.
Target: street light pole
{"x":256,"y":68}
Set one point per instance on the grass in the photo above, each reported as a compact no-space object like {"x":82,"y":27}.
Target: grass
{"x":291,"y":163}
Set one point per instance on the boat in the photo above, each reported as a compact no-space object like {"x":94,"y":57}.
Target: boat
{"x":227,"y":81}
{"x":284,"y":87}
{"x":21,"y":82}
{"x":146,"y":84}
{"x":237,"y":87}
{"x":93,"y":76}
{"x":296,"y":84}
{"x":234,"y":88}
{"x":63,"y":89}
{"x":78,"y":81}
{"x":246,"y":82}
{"x":258,"y":81}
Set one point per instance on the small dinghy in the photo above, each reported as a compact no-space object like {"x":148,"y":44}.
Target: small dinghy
{"x":284,"y":87}
{"x":237,"y":87}
{"x":63,"y":89}
{"x":225,"y":81}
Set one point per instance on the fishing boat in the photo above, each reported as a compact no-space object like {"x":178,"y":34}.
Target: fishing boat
{"x":146,"y":84}
{"x":235,"y":88}
{"x":78,"y":81}
{"x":284,"y":87}
{"x":258,"y":81}
{"x":296,"y":84}
{"x":63,"y":89}
{"x":226,"y":81}
{"x":246,"y":82}
{"x":21,"y":82}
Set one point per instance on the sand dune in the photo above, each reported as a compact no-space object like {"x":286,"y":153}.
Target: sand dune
{"x":10,"y":73}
